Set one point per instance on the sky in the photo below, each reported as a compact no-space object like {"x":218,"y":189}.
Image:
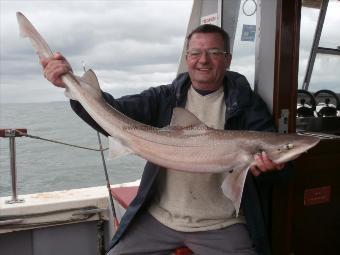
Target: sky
{"x":131,"y":45}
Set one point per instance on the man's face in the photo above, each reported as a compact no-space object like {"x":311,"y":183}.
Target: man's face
{"x":206,"y":70}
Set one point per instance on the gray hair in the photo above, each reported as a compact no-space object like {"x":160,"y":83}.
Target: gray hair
{"x":208,"y":28}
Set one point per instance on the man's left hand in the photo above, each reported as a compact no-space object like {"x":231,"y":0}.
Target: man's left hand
{"x":264,"y":164}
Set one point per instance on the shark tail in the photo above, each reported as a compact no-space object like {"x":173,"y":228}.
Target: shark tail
{"x":28,"y":30}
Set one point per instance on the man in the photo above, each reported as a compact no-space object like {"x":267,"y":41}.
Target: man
{"x":175,"y":209}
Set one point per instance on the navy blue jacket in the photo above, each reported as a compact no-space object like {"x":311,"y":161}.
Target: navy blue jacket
{"x":245,"y":111}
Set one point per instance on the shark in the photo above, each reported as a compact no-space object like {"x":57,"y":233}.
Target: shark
{"x":186,"y":144}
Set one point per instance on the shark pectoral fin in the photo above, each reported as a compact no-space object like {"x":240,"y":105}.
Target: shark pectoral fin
{"x":233,"y":184}
{"x":117,"y":149}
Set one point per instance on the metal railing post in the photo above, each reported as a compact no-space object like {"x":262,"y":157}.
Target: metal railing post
{"x":11,"y":134}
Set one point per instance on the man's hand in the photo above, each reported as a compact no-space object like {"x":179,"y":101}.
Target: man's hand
{"x":264,"y":164}
{"x":54,"y":67}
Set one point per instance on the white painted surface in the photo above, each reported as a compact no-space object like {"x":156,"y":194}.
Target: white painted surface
{"x":55,"y":208}
{"x":265,"y":50}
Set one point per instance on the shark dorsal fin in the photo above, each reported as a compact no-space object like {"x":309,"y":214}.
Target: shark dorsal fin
{"x":88,"y":81}
{"x":182,"y":118}
{"x":90,"y":78}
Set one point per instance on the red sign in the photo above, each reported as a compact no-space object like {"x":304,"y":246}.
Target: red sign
{"x":317,"y":196}
{"x":209,"y":19}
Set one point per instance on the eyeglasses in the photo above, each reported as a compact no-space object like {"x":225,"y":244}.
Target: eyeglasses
{"x":212,"y":53}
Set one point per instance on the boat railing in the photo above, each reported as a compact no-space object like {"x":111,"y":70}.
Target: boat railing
{"x":22,"y":132}
{"x":11,"y":134}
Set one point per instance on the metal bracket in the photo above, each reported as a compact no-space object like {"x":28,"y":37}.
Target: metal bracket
{"x":10,"y":132}
{"x":283,"y":121}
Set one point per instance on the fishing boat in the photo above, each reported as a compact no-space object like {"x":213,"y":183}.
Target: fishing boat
{"x":304,"y":212}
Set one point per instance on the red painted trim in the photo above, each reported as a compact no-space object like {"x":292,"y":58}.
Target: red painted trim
{"x":183,"y":251}
{"x":124,"y":195}
{"x":17,"y":134}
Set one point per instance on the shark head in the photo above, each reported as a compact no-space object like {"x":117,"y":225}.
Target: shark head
{"x":288,"y":147}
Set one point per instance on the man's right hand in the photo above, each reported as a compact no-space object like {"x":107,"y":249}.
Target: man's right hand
{"x":54,"y":68}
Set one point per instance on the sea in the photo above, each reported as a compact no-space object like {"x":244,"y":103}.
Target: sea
{"x":45,"y":166}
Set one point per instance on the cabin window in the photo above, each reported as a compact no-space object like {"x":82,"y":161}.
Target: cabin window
{"x":326,"y":67}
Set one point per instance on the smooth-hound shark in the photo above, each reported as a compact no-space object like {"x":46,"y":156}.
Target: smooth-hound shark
{"x":188,"y":144}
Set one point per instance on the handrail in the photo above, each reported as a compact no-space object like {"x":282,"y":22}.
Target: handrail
{"x":11,"y":133}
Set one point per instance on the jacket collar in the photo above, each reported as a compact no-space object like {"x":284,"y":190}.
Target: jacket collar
{"x":181,"y":84}
{"x":235,"y":98}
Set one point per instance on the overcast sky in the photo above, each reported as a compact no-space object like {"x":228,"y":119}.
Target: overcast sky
{"x":131,"y":45}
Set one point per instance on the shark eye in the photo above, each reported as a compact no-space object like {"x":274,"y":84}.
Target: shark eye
{"x":289,"y":146}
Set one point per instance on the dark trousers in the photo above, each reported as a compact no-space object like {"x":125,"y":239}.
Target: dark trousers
{"x":149,"y":236}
